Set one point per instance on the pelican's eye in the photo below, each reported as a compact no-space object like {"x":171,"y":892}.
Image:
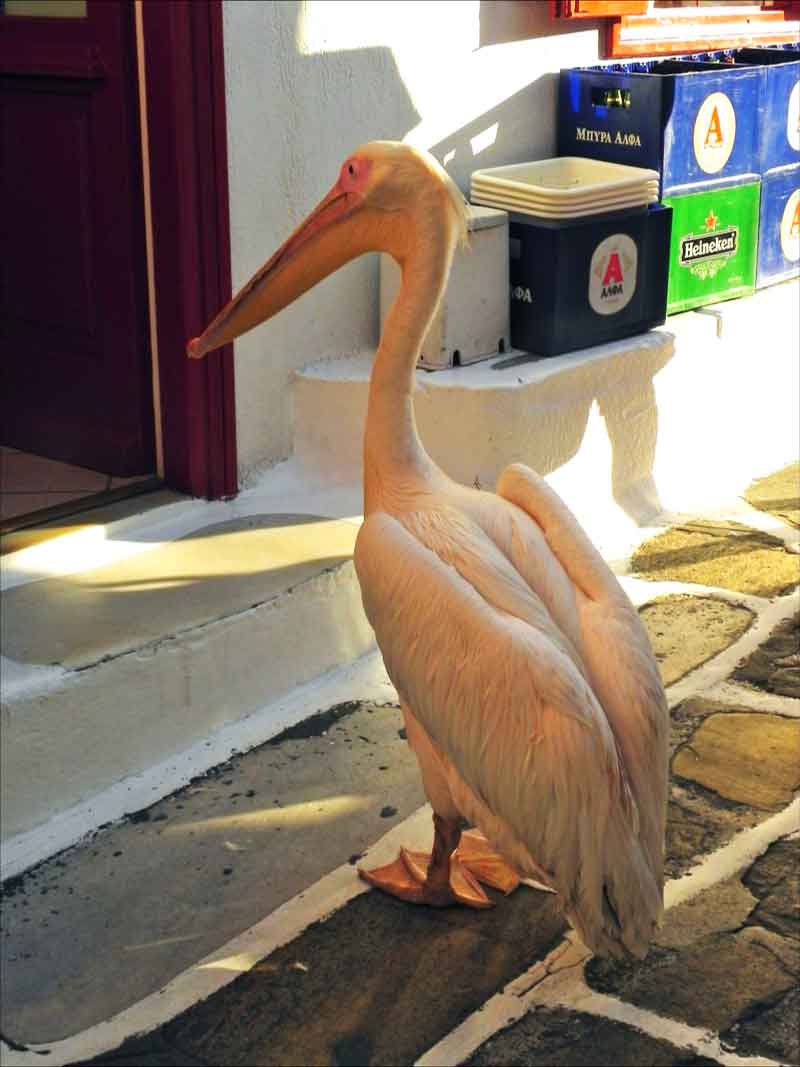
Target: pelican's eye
{"x":351,"y":172}
{"x":354,"y":174}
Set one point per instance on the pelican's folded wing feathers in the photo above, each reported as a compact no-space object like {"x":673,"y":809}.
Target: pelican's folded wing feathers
{"x":615,"y":649}
{"x":503,"y":701}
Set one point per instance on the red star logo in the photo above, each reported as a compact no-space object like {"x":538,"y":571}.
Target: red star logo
{"x":711,"y":220}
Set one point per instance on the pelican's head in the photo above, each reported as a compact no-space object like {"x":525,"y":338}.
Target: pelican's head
{"x":384,"y":192}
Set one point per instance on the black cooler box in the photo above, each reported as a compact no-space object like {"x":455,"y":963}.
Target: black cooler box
{"x":584,"y":281}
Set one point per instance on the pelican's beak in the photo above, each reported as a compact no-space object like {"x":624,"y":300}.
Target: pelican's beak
{"x":334,"y":233}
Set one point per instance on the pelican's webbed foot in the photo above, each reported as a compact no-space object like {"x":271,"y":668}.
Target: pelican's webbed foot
{"x":450,"y":874}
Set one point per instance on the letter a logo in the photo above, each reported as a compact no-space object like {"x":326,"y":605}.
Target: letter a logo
{"x":790,"y":228}
{"x":612,"y":274}
{"x":714,"y":131}
{"x":613,"y":270}
{"x":793,"y":118}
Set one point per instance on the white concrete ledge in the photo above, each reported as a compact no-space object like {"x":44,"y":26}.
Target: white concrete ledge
{"x":476,"y":420}
{"x":675,"y":420}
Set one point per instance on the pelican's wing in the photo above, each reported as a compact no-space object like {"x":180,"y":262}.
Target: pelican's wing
{"x":615,"y":649}
{"x":510,"y":710}
{"x":586,"y":568}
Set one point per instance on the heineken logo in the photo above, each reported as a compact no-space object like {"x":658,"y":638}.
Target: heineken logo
{"x":695,"y":248}
{"x":704,"y":254}
{"x":612,"y":274}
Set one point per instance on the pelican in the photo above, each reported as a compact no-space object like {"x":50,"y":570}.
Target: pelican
{"x":530,"y":694}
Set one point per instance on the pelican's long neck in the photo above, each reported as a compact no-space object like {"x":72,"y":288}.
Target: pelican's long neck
{"x":394,"y":458}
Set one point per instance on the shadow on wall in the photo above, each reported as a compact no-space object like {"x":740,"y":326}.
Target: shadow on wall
{"x":503,"y":134}
{"x":521,"y":127}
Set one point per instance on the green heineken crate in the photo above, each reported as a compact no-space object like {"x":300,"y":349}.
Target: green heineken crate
{"x":714,"y":245}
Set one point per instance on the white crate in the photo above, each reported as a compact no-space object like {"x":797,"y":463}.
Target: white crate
{"x":472,"y":321}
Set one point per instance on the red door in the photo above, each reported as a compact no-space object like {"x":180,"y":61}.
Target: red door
{"x":74,"y":341}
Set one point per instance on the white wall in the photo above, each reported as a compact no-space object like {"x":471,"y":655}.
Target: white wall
{"x":308,"y":82}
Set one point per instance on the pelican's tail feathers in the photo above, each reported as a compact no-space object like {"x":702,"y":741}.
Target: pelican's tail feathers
{"x":619,"y":914}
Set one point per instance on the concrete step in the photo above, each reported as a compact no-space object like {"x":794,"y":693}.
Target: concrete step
{"x":127,"y":643}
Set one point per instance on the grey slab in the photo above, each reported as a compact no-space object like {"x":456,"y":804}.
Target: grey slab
{"x":95,"y":929}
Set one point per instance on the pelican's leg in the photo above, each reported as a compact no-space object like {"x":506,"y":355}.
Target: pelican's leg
{"x":438,"y":879}
{"x":446,"y":836}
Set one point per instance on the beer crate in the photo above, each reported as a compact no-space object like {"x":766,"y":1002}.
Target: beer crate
{"x":779,"y":100}
{"x":694,"y":122}
{"x":714,"y":242}
{"x":588,"y":280}
{"x":779,"y":227}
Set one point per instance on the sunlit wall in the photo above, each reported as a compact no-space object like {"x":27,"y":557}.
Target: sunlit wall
{"x":471,"y":80}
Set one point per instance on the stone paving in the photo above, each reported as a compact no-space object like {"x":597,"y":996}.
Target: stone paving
{"x":378,"y":982}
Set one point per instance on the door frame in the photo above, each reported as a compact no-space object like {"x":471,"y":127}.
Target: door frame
{"x":184,"y":76}
{"x":188,"y":177}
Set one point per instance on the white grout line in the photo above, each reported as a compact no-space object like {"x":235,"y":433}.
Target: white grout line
{"x":641,"y":591}
{"x":716,"y":670}
{"x":754,"y":699}
{"x":558,"y":979}
{"x":558,"y":982}
{"x":702,"y":1042}
{"x":739,"y":852}
{"x":365,"y":679}
{"x":504,"y":1008}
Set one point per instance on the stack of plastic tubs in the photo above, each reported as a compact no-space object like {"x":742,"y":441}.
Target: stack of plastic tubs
{"x":588,"y":250}
{"x":564,"y":188}
{"x":697,"y":124}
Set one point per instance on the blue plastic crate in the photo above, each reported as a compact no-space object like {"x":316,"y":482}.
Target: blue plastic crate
{"x":779,"y":227}
{"x":694,"y":122}
{"x":779,"y":103}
